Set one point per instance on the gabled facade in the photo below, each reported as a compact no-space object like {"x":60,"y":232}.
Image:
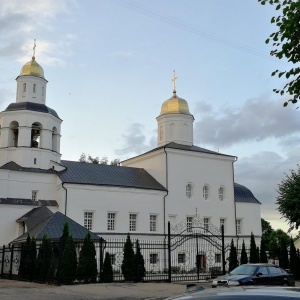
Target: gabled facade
{"x":172,"y":183}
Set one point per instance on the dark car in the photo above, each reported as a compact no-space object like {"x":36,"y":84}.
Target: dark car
{"x":256,"y":274}
{"x":240,"y":293}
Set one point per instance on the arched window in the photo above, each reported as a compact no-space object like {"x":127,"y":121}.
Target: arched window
{"x":24,"y":87}
{"x":221,"y":193}
{"x":34,"y":88}
{"x":43,"y":91}
{"x":13,"y":134}
{"x":188,"y":190}
{"x":54,"y":139}
{"x":161,"y":133}
{"x":36,"y":130}
{"x":205,"y":192}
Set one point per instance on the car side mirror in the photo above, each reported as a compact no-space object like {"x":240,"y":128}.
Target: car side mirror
{"x":258,"y":274}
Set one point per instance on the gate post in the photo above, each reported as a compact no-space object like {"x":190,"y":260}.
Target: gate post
{"x":223,"y":250}
{"x":2,"y":266}
{"x":169,"y":253}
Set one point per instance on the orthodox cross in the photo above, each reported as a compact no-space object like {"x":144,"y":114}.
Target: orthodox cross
{"x":34,"y":46}
{"x":174,"y":81}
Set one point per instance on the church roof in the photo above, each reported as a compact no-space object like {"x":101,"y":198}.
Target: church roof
{"x":53,"y":227}
{"x":107,"y":175}
{"x":32,"y":68}
{"x":243,"y":194}
{"x":175,"y":105}
{"x":33,"y":107}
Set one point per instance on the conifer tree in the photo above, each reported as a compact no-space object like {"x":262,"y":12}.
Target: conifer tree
{"x":233,"y":261}
{"x":24,"y":270}
{"x":140,"y":263}
{"x":107,"y":273}
{"x":284,"y":256}
{"x":263,"y":258}
{"x":128,"y":264}
{"x":69,"y":262}
{"x":294,"y":260}
{"x":244,"y":256}
{"x":253,"y":250}
{"x":87,"y":264}
{"x":44,"y":258}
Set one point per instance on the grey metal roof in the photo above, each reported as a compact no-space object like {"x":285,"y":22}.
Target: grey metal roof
{"x":192,"y":148}
{"x":108,"y":175}
{"x":15,"y":167}
{"x":243,"y":194}
{"x":53,"y":228}
{"x":35,"y":216}
{"x":21,"y":201}
{"x":33,"y":107}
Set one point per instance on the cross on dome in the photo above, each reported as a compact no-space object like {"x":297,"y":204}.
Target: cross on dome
{"x":174,"y":81}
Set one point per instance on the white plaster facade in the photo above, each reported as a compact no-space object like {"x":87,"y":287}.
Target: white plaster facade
{"x":191,"y":177}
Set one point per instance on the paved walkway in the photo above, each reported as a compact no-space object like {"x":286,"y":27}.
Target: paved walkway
{"x":18,"y":290}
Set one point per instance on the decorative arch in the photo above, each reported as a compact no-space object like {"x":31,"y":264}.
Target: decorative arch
{"x":36,"y":133}
{"x":13,"y":134}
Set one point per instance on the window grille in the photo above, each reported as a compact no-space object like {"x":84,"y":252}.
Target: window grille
{"x":111,"y":219}
{"x":88,"y":220}
{"x":132,"y":222}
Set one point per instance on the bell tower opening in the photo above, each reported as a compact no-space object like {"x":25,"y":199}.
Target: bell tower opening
{"x":13,"y":134}
{"x":36,"y":130}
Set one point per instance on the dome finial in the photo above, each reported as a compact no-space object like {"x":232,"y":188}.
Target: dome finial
{"x":34,"y":46}
{"x":174,"y":82}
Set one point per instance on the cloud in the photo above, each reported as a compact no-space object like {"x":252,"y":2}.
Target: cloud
{"x":20,"y":22}
{"x":135,"y":142}
{"x":258,"y":119}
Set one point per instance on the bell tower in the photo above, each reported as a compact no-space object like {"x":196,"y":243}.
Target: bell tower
{"x":30,"y":130}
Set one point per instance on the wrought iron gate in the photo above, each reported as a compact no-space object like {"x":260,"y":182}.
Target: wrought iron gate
{"x":196,"y":250}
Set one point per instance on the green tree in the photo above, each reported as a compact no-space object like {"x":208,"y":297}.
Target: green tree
{"x":275,"y":240}
{"x":107,"y":273}
{"x":294,"y":260}
{"x":284,"y":256}
{"x":140,"y":263}
{"x":233,"y":261}
{"x":87,"y":263}
{"x":44,"y":258}
{"x":128,"y":264}
{"x":115,"y":162}
{"x":244,"y":256}
{"x":263,"y":258}
{"x":266,"y":231}
{"x":69,"y":262}
{"x":253,"y":250}
{"x":286,"y":44}
{"x":288,"y":199}
{"x":25,"y":263}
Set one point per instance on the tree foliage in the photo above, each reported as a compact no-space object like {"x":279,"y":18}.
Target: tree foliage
{"x":244,"y":256}
{"x":96,"y":160}
{"x":266,"y":231}
{"x":284,"y":256}
{"x":233,"y":261}
{"x":288,"y":199}
{"x":87,"y":263}
{"x":44,"y":258}
{"x":128,"y":264}
{"x":28,"y":258}
{"x":263,"y":258}
{"x":286,"y":44}
{"x":140,"y":263}
{"x":107,"y":273}
{"x":294,"y":260}
{"x":254,"y":258}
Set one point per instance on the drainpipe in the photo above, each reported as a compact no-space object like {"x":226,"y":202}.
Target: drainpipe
{"x":234,"y":202}
{"x":167,"y":191}
{"x":66,"y":198}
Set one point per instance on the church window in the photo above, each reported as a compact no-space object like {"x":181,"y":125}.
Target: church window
{"x":43,"y":91}
{"x":238,"y":223}
{"x":181,"y":258}
{"x":36,"y":130}
{"x":153,"y":222}
{"x":24,"y":87}
{"x":222,"y":223}
{"x":88,"y":220}
{"x":205,"y":192}
{"x":221,"y":193}
{"x":111,"y":221}
{"x":34,"y":88}
{"x":188,"y":190}
{"x":34,"y":195}
{"x":153,"y":258}
{"x":34,"y":161}
{"x":206,"y":222}
{"x":55,"y":137}
{"x":132,"y":222}
{"x":189,"y":224}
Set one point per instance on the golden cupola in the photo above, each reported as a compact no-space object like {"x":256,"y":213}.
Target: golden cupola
{"x":32,"y":68}
{"x":175,"y":105}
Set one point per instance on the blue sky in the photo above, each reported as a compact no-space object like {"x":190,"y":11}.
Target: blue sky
{"x":109,"y":64}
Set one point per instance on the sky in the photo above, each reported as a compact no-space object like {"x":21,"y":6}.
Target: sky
{"x":109,"y":65}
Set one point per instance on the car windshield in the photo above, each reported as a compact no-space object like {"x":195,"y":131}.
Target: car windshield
{"x":244,"y":270}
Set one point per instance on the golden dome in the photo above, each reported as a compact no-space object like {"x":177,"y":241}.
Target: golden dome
{"x":175,"y":105}
{"x":32,"y":68}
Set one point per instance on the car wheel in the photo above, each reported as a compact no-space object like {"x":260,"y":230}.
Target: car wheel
{"x":285,"y":283}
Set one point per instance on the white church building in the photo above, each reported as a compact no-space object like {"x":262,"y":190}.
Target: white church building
{"x":177,"y":181}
